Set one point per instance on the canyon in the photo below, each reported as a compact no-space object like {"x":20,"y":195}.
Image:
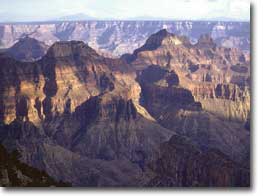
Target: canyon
{"x":170,"y":110}
{"x":114,"y":38}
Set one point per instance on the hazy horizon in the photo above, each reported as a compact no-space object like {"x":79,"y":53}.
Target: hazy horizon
{"x":41,"y":11}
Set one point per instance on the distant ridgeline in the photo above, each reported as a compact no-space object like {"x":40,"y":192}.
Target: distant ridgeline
{"x":114,"y":38}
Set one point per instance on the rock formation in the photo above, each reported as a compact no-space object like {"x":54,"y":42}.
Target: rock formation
{"x":27,"y":49}
{"x":115,"y":38}
{"x":183,"y":165}
{"x":14,"y":173}
{"x":172,"y":113}
{"x":215,"y":75}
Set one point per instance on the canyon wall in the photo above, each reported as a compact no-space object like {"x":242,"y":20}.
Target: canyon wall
{"x":115,"y":38}
{"x":171,"y":113}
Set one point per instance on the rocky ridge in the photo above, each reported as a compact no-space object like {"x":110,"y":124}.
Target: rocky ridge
{"x":176,"y":169}
{"x":96,"y":121}
{"x":120,"y":37}
{"x":211,"y":73}
{"x":14,"y":173}
{"x":27,"y":49}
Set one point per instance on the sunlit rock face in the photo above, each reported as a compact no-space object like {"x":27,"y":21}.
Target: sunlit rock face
{"x":114,"y":38}
{"x":65,"y":77}
{"x":170,"y":113}
{"x":206,"y":94}
{"x":71,"y":96}
{"x":218,"y":77}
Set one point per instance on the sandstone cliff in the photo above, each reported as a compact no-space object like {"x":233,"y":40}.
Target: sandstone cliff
{"x":215,"y":75}
{"x":96,"y":121}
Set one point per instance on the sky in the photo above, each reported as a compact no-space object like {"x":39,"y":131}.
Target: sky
{"x":41,"y":10}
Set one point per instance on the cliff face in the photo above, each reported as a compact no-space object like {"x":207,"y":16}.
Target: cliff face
{"x":160,"y":89}
{"x":14,"y":173}
{"x":183,"y":165}
{"x":96,"y":121}
{"x":176,"y":108}
{"x":68,"y":75}
{"x":120,"y":37}
{"x":215,"y":75}
{"x":104,"y":143}
{"x":114,"y":129}
{"x":71,"y":96}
